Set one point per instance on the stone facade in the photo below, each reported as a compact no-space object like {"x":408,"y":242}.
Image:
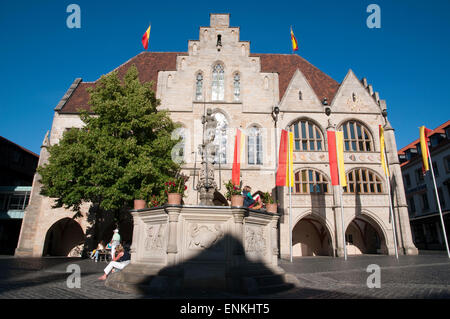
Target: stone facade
{"x":244,"y":93}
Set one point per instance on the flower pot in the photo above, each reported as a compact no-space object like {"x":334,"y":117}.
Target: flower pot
{"x":237,"y":200}
{"x":139,"y":204}
{"x":271,"y":208}
{"x":174,"y":199}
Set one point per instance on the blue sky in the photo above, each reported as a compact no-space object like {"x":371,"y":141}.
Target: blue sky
{"x":406,"y":60}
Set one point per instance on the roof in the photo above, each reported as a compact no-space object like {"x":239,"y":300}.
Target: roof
{"x":150,"y":63}
{"x":20,"y":147}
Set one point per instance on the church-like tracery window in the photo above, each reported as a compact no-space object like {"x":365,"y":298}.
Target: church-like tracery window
{"x":218,"y":83}
{"x":199,"y":87}
{"x":357,"y":137}
{"x":237,"y":86}
{"x":309,"y":181}
{"x":221,"y":138}
{"x":363,"y":181}
{"x":255,"y":151}
{"x":307,"y":136}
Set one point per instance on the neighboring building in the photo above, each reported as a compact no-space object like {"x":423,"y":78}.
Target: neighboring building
{"x":243,"y":89}
{"x":423,"y":209}
{"x":17,"y":168}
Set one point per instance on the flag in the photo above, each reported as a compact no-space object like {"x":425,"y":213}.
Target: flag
{"x":294,"y":41}
{"x":332,"y":157}
{"x":238,"y":157}
{"x":424,"y":133}
{"x":382,"y":154}
{"x":286,"y":166}
{"x":146,"y":37}
{"x":340,"y":158}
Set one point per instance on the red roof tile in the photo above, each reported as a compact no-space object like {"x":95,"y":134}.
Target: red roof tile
{"x":440,"y":129}
{"x":150,"y":63}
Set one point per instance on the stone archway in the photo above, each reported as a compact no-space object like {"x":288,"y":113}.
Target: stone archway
{"x":365,"y":236}
{"x":62,"y":237}
{"x":310,"y":237}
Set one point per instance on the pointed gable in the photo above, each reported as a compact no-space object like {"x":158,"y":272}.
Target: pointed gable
{"x":352,"y":96}
{"x":299,"y":95}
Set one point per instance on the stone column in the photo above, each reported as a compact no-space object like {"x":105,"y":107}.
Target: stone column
{"x":404,"y":241}
{"x":238,"y":234}
{"x":339,"y":249}
{"x":273,"y":237}
{"x":136,"y":231}
{"x":172,"y":245}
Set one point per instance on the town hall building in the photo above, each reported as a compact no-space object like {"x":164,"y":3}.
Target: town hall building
{"x":259,"y":94}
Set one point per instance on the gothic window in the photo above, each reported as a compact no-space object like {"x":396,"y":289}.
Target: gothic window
{"x":221,"y":138}
{"x":357,"y":137}
{"x":254,"y":142}
{"x":307,"y":136}
{"x":237,"y":87}
{"x":300,"y":96}
{"x":218,"y":83}
{"x":199,"y":87}
{"x":363,"y":181}
{"x":309,"y":181}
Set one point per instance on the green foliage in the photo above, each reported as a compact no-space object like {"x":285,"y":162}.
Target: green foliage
{"x":122,"y":153}
{"x":232,"y":190}
{"x":176,"y":185}
{"x":267,"y":198}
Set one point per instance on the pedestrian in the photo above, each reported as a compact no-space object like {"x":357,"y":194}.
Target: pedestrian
{"x":115,"y":241}
{"x":119,"y":262}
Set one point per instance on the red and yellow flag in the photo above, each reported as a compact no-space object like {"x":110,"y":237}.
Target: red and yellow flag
{"x":238,"y":157}
{"x":285,"y":172}
{"x":294,"y":41}
{"x":146,"y":38}
{"x":424,"y":133}
{"x":382,"y":153}
{"x":336,"y":158}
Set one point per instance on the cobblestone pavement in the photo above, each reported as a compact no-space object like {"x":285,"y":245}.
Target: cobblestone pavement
{"x":423,"y":276}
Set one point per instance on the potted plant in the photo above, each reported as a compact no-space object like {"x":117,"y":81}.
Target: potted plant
{"x":155,"y":201}
{"x":139,"y":202}
{"x":234,"y":194}
{"x":175,"y":188}
{"x":268,"y":200}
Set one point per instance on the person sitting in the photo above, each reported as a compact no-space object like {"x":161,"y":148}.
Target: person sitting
{"x":95,"y":252}
{"x":249,"y":201}
{"x":119,"y":262}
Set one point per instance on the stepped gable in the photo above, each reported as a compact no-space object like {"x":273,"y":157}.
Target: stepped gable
{"x":286,"y":65}
{"x":148,"y":65}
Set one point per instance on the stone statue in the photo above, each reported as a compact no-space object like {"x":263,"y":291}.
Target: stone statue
{"x":206,"y":185}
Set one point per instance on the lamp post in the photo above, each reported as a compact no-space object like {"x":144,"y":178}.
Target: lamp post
{"x":275,"y":112}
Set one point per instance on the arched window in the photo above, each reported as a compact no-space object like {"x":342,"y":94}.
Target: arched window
{"x":309,"y":181}
{"x":218,"y":83}
{"x":363,"y":181}
{"x":237,"y":86}
{"x":357,"y":137}
{"x":221,"y":138}
{"x":199,"y":87}
{"x":254,"y":142}
{"x":307,"y":136}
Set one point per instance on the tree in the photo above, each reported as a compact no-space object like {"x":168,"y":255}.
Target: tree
{"x":122,"y":153}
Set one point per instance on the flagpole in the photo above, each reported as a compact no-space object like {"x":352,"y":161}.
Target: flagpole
{"x":394,"y":225}
{"x":438,"y":201}
{"x":342,"y":203}
{"x":290,"y":195}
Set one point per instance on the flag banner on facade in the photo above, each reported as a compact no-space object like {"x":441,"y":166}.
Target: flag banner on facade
{"x":382,"y":153}
{"x":285,"y":160}
{"x":238,"y":157}
{"x":146,"y":38}
{"x":332,"y":157}
{"x":290,"y":164}
{"x":424,"y":133}
{"x":340,"y":158}
{"x":294,"y":41}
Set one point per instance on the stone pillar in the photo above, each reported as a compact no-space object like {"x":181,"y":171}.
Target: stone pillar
{"x":238,"y":234}
{"x":29,"y":229}
{"x":136,"y":231}
{"x":172,"y":245}
{"x":274,"y":239}
{"x":403,"y":226}
{"x":339,"y":249}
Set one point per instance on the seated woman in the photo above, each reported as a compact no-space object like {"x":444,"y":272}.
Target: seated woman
{"x":95,"y":252}
{"x":120,"y":261}
{"x":249,"y":201}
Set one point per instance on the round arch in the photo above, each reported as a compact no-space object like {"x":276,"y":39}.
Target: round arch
{"x":62,"y":237}
{"x":312,"y":235}
{"x":364,"y":124}
{"x":305,"y":134}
